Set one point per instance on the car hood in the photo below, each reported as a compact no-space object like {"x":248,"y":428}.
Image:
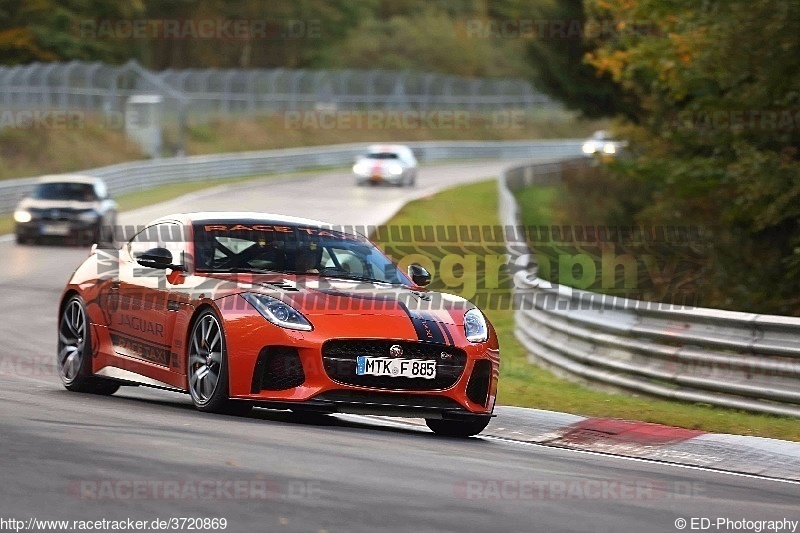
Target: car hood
{"x":32,"y":203}
{"x":314,"y":296}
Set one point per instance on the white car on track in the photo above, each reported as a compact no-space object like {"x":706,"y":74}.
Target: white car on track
{"x":394,"y":164}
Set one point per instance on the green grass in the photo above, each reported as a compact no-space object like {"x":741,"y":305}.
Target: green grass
{"x":6,"y":225}
{"x":48,"y":151}
{"x":526,"y":385}
{"x":163,"y":193}
{"x":540,"y":205}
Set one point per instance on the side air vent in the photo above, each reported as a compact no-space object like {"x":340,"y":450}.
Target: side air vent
{"x":277,"y":368}
{"x":478,"y":385}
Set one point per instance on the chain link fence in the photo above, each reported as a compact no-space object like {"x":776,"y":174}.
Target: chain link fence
{"x":105,"y":89}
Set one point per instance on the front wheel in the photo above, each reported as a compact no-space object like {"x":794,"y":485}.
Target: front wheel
{"x":74,"y":352}
{"x":458,"y":428}
{"x":208,"y":368}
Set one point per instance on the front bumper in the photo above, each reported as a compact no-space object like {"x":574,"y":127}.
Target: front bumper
{"x":60,"y":229}
{"x":305,"y":383}
{"x":380,"y":177}
{"x":368,"y":403}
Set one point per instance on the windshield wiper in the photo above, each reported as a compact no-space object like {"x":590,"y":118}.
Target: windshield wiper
{"x":358,"y":278}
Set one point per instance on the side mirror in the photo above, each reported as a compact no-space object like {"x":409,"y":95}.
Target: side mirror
{"x":157,"y":258}
{"x":419,"y":275}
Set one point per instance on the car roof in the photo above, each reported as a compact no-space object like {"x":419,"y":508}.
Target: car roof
{"x":388,"y":148}
{"x":219,"y":216}
{"x":68,"y":178}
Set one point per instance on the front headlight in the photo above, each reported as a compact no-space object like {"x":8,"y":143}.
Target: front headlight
{"x":277,"y":312}
{"x":88,"y":216}
{"x":360,"y":168}
{"x":475,"y":326}
{"x":395,"y":169}
{"x":588,"y":148}
{"x":22,"y":216}
{"x":609,"y":148}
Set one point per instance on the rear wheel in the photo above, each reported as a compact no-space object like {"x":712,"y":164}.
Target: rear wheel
{"x":74,"y":352}
{"x":208,"y":368}
{"x":458,"y":428}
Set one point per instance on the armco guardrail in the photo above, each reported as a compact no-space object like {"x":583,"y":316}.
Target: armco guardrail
{"x":737,"y":360}
{"x":139,"y":175}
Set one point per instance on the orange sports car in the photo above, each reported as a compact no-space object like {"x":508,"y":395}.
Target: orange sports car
{"x":243,"y":309}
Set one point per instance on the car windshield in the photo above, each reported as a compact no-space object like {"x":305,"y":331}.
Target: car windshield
{"x":250,"y":246}
{"x":382,"y":155}
{"x":80,"y":192}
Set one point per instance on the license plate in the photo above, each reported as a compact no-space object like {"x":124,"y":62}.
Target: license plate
{"x":396,"y":368}
{"x":376,"y":177}
{"x":54,"y":229}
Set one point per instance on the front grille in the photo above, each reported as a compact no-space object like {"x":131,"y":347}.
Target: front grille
{"x":478,"y":385}
{"x":339,"y":360}
{"x":277,"y":368}
{"x":54,"y":215}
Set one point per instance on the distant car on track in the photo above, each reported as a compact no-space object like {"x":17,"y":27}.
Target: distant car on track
{"x":240,"y":309}
{"x":394,"y":164}
{"x":66,"y":207}
{"x":602,"y":143}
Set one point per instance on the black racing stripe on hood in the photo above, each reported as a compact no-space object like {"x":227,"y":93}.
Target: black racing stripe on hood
{"x":427,"y":330}
{"x":442,"y":326}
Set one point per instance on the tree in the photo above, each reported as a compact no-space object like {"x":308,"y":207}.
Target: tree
{"x":716,"y":134}
{"x":561,"y":67}
{"x":429,"y":40}
{"x":50,"y":30}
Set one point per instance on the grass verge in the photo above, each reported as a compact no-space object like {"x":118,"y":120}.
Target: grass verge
{"x":526,"y":385}
{"x":36,"y":152}
{"x":163,"y":193}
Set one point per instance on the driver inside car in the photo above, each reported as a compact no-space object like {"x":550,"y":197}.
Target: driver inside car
{"x":307,"y":259}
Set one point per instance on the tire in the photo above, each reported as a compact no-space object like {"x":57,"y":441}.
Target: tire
{"x":458,"y":428}
{"x":207,"y":368}
{"x":74,"y":357}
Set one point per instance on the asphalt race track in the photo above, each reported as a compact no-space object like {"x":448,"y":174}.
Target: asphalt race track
{"x":146,"y":454}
